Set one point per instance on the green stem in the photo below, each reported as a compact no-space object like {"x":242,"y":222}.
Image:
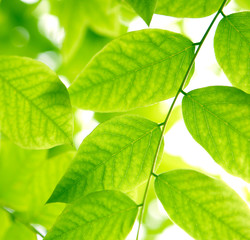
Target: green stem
{"x":164,"y":124}
{"x":15,"y":218}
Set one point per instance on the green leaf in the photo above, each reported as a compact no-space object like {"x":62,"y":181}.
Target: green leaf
{"x":138,"y":69}
{"x":204,"y":207}
{"x":35,"y":110}
{"x":243,"y":3}
{"x":144,"y":8}
{"x":99,"y":216}
{"x":189,"y":9}
{"x":28,"y":177}
{"x":218,"y":118}
{"x":117,"y":155}
{"x":232,"y":48}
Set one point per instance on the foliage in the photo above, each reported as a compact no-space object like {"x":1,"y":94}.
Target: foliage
{"x":51,"y":188}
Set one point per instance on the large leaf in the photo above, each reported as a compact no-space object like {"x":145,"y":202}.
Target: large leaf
{"x":118,"y":154}
{"x":232,"y":48}
{"x":144,"y":8}
{"x":98,"y":216}
{"x":137,"y":69}
{"x":35,"y":110}
{"x":204,"y":207}
{"x":190,"y":9}
{"x":218,"y":118}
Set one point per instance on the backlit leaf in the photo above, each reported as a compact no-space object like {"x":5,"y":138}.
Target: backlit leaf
{"x":218,"y":118}
{"x":144,"y":8}
{"x":232,"y":48}
{"x":189,"y":9}
{"x":117,"y":155}
{"x":204,"y":207}
{"x":138,"y":69}
{"x":35,"y":110}
{"x":104,"y":215}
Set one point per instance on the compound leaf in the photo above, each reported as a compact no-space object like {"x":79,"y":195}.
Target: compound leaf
{"x":144,"y":8}
{"x":204,"y":207}
{"x":189,"y":9}
{"x":218,"y":118}
{"x":35,"y":110}
{"x":232,"y":48}
{"x":138,"y":69}
{"x":117,"y":155}
{"x":99,"y":216}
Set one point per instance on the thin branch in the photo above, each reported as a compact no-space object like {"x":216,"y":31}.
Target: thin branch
{"x":15,"y":218}
{"x":170,"y":111}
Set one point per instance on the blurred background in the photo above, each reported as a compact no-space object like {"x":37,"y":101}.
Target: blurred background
{"x":65,"y":35}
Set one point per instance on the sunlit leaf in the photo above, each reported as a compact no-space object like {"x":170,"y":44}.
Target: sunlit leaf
{"x":218,"y":118}
{"x":35,"y":110}
{"x":118,"y":154}
{"x":204,"y":207}
{"x":232,"y":48}
{"x":190,"y":9}
{"x":5,"y":223}
{"x":99,"y":216}
{"x":135,"y":70}
{"x":144,"y":8}
{"x":243,"y":3}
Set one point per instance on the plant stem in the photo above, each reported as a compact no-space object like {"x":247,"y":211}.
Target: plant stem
{"x":15,"y":218}
{"x":164,"y":124}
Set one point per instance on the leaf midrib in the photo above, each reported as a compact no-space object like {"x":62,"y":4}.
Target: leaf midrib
{"x":34,"y":105}
{"x":201,"y":207}
{"x":126,"y":73}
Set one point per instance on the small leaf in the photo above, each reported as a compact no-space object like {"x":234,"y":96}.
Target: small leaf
{"x":144,"y":8}
{"x":232,"y":48}
{"x":35,"y":110}
{"x":204,"y":207}
{"x":98,"y":216}
{"x":218,"y":118}
{"x":189,"y":9}
{"x":117,"y":155}
{"x":138,"y":69}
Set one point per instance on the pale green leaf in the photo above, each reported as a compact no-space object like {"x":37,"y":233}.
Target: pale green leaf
{"x":189,"y":9}
{"x":138,"y":69}
{"x":204,"y":207}
{"x":232,"y":48}
{"x":5,"y":223}
{"x":144,"y":8}
{"x":218,"y":118}
{"x":28,"y":177}
{"x":117,"y":155}
{"x":243,"y":3}
{"x":104,"y":215}
{"x":35,"y":110}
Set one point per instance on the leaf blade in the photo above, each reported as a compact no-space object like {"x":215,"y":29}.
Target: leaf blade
{"x":232,"y":48}
{"x":33,"y":104}
{"x":192,"y":199}
{"x":117,"y":155}
{"x":110,"y":212}
{"x":138,"y":69}
{"x":218,"y":119}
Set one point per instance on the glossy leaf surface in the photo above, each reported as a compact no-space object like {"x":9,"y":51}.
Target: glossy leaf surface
{"x":35,"y":110}
{"x":118,"y":154}
{"x":138,"y":69}
{"x":104,"y":215}
{"x":218,"y":118}
{"x":204,"y":207}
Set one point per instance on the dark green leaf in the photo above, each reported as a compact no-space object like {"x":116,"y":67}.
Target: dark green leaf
{"x":118,"y":154}
{"x":35,"y":110}
{"x":232,"y":48}
{"x":204,"y":207}
{"x":137,"y":69}
{"x":218,"y":118}
{"x":104,"y":215}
